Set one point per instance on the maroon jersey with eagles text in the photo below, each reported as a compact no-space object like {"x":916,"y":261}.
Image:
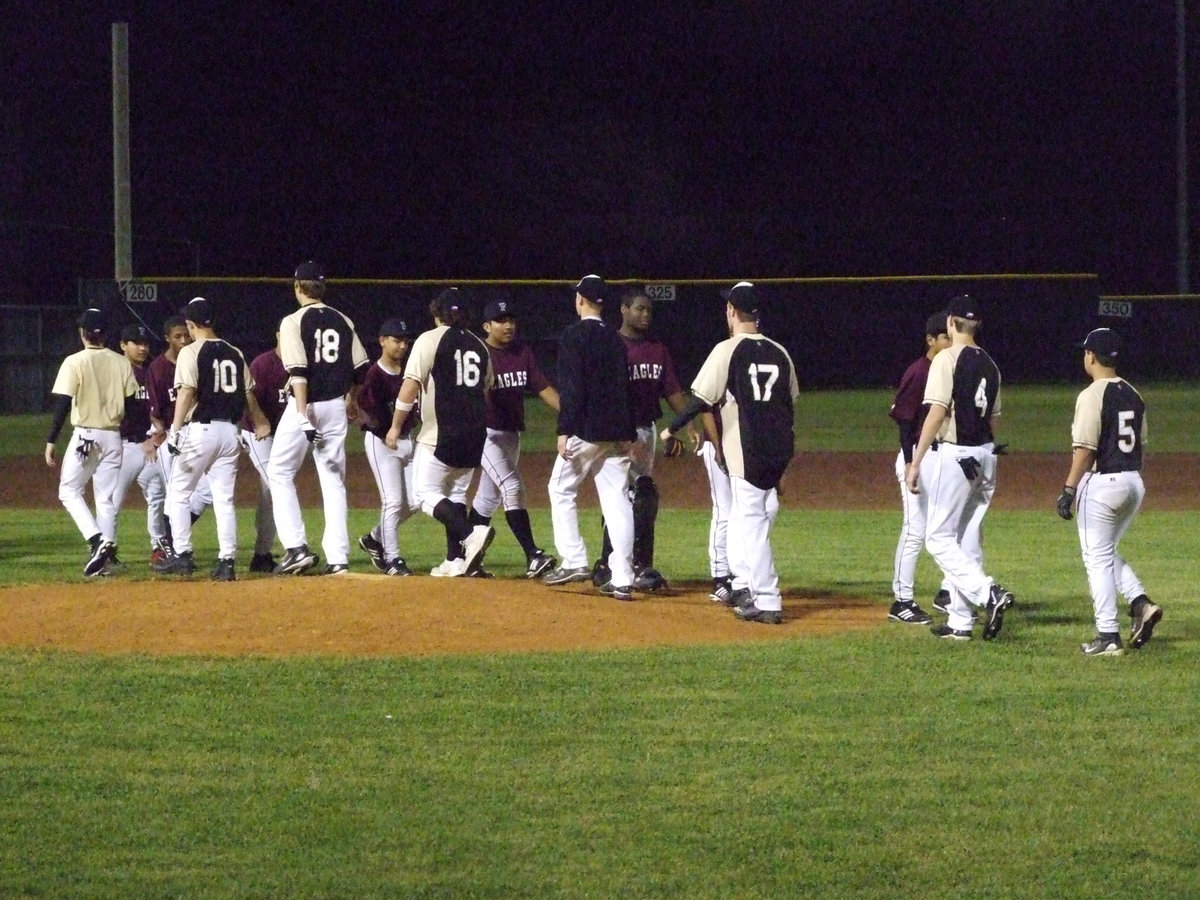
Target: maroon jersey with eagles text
{"x":651,"y":377}
{"x":377,"y":400}
{"x":160,"y":388}
{"x":517,"y":374}
{"x":270,"y":388}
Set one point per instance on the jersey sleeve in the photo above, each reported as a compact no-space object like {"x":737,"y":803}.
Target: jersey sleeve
{"x":422,"y":357}
{"x":130,"y":380}
{"x":291,"y":346}
{"x":939,"y":386}
{"x":1085,"y":428}
{"x":67,"y":380}
{"x":187,"y":372}
{"x":711,"y":381}
{"x":670,"y":380}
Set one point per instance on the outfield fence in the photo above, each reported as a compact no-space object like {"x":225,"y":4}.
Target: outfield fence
{"x":841,"y":331}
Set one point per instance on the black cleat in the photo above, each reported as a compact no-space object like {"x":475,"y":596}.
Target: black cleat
{"x":176,"y":564}
{"x":909,"y":613}
{"x":999,"y":599}
{"x":224,"y":570}
{"x":296,"y":561}
{"x":262,"y":562}
{"x":373,"y":549}
{"x":752,"y":613}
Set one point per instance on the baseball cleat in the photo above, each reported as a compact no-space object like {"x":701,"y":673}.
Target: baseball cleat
{"x":263,"y":562}
{"x":952,"y":634}
{"x":397,"y":567}
{"x":224,"y":570}
{"x":721,"y":591}
{"x":909,"y":613}
{"x":941,"y":602}
{"x":622,"y":592}
{"x":337,"y":569}
{"x":539,"y":564}
{"x":102,"y":553}
{"x":754,"y":613}
{"x":999,"y":599}
{"x":1145,"y":615}
{"x":739,"y":597}
{"x":177,"y":564}
{"x":1103,"y":645}
{"x":565,"y":576}
{"x":450,"y":568}
{"x":601,"y":574}
{"x":373,"y":549}
{"x":297,"y":561}
{"x":649,"y":580}
{"x":475,"y":544}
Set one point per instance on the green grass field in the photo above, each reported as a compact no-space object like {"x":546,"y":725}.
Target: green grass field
{"x":874,"y":764}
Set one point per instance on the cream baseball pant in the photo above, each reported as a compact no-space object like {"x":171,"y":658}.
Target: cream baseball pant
{"x":264,"y":515}
{"x":1107,"y":504}
{"x":394,"y":476}
{"x":608,"y":464}
{"x":721,"y":493}
{"x":751,"y":560}
{"x":954,"y":510}
{"x":500,"y":481}
{"x":329,"y":456}
{"x":101,"y":464}
{"x":149,"y":477}
{"x":201,"y":497}
{"x":205,"y":448}
{"x":912,"y":537}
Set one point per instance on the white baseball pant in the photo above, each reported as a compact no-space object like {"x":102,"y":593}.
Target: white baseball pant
{"x":912,"y":537}
{"x":954,"y":509}
{"x":201,"y":497}
{"x":393,"y":471}
{"x":264,"y":515}
{"x":1107,"y":504}
{"x":204,"y":448}
{"x":751,"y":560}
{"x":608,"y":463}
{"x":434,"y":481}
{"x":721,"y":493}
{"x":329,"y":456}
{"x":101,"y":465}
{"x":148,"y":474}
{"x":500,"y":481}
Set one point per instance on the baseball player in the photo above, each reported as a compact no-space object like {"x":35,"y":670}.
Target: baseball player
{"x":325,"y":361}
{"x":651,"y":378}
{"x":517,"y":373}
{"x":954,"y":464}
{"x":752,"y":380}
{"x":270,"y":390}
{"x":450,"y":371}
{"x":160,"y":386}
{"x":1107,"y":436}
{"x":213,"y":388}
{"x":92,"y":386}
{"x":139,"y":459}
{"x":392,"y":469}
{"x":908,"y":412}
{"x":595,"y":435}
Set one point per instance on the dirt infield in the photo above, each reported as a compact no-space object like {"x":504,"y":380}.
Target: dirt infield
{"x":368,"y":615}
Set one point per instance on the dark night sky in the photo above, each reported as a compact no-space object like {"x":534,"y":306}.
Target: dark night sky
{"x":547,"y":139}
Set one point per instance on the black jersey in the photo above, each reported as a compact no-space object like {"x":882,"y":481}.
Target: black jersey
{"x":218,"y":373}
{"x":595,"y":396}
{"x":1110,"y":418}
{"x":319,"y":344}
{"x":454,"y":370}
{"x":966,"y":382}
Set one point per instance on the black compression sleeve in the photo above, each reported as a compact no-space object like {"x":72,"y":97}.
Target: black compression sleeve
{"x":908,"y":439}
{"x":62,"y":408}
{"x":694,"y":407}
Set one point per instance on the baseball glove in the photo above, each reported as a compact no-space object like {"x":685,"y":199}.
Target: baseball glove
{"x":672,"y":447}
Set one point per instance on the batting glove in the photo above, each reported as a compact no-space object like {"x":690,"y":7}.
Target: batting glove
{"x":1065,"y":500}
{"x":1000,"y":450}
{"x":970,"y":467}
{"x":672,"y":447}
{"x":173,"y":442}
{"x":310,"y":432}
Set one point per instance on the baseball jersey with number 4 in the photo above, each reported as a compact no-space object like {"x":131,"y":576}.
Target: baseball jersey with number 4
{"x":753,"y":380}
{"x":965,"y":381}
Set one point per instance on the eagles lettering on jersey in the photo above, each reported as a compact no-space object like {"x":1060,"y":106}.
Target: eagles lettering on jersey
{"x":329,"y":342}
{"x":516,"y":379}
{"x":645,"y":371}
{"x":221,"y":391}
{"x":760,"y":376}
{"x":976,"y":385}
{"x":1121,"y":415}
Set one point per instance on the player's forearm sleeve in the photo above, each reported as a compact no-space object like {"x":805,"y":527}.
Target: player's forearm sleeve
{"x":693,"y":408}
{"x":62,"y":408}
{"x":908,"y":438}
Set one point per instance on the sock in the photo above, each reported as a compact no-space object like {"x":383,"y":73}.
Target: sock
{"x":518,"y":521}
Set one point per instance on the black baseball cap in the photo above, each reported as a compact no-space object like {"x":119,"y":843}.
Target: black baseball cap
{"x":591,"y":288}
{"x":936,"y":323}
{"x":138,"y":334}
{"x":964,"y":306}
{"x":499,"y":309}
{"x":200,"y":311}
{"x":1103,"y":342}
{"x":742,"y":297}
{"x":310,"y":271}
{"x":91,"y":320}
{"x":395,"y":327}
